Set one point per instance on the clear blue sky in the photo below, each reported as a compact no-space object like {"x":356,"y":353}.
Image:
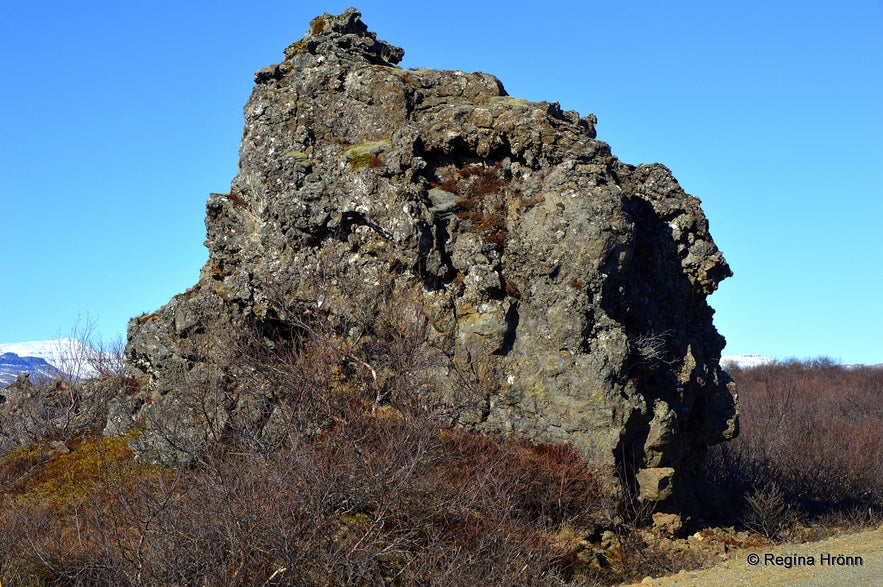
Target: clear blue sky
{"x":117,"y":119}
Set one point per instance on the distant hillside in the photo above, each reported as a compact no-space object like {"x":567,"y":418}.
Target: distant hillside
{"x":751,"y":361}
{"x":44,"y":359}
{"x":11,"y":365}
{"x":745,"y":361}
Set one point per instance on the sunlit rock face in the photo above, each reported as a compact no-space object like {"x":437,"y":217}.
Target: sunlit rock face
{"x":564,"y":288}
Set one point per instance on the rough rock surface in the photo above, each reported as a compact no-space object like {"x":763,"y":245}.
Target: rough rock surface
{"x":32,"y":411}
{"x":569,"y":286}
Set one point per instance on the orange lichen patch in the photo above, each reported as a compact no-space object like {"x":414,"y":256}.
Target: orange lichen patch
{"x":143,"y":318}
{"x":484,"y":196}
{"x":236,"y":198}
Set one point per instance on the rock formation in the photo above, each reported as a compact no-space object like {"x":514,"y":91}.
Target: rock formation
{"x":566,"y":287}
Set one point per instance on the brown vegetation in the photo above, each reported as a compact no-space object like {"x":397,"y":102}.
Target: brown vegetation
{"x":483,"y":205}
{"x":810,"y":447}
{"x":370,"y":483}
{"x":236,"y":199}
{"x":374,"y":498}
{"x":367,"y":485}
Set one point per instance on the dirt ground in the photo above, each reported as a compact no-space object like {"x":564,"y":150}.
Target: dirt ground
{"x":853,"y":559}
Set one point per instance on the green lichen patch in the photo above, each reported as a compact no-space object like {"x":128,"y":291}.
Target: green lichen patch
{"x":366,"y":154}
{"x":300,"y":156}
{"x":298,"y":48}
{"x":318,"y":25}
{"x":510,"y":101}
{"x":301,"y":159}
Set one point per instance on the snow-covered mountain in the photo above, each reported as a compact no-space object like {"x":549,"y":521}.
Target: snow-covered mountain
{"x":45,"y":359}
{"x":11,"y":365}
{"x":745,"y":361}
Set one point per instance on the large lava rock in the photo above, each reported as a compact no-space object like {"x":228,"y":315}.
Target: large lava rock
{"x":569,"y":286}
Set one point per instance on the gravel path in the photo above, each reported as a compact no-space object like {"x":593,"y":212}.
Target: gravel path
{"x":854,"y":559}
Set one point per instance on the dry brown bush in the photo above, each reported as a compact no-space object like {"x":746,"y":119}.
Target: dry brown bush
{"x":369,"y":484}
{"x":371,"y":501}
{"x":90,"y":373}
{"x":813,"y":431}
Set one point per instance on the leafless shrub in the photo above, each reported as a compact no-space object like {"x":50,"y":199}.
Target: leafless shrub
{"x":649,"y":349}
{"x":374,"y":498}
{"x":12,"y":521}
{"x":73,"y":404}
{"x":767,"y":511}
{"x":811,"y":436}
{"x":83,"y":354}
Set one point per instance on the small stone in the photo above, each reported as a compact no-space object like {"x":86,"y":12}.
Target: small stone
{"x":655,"y":483}
{"x":669,"y":524}
{"x":608,"y":539}
{"x":59,"y":447}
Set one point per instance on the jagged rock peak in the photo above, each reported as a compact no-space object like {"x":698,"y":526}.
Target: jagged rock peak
{"x":345,"y":34}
